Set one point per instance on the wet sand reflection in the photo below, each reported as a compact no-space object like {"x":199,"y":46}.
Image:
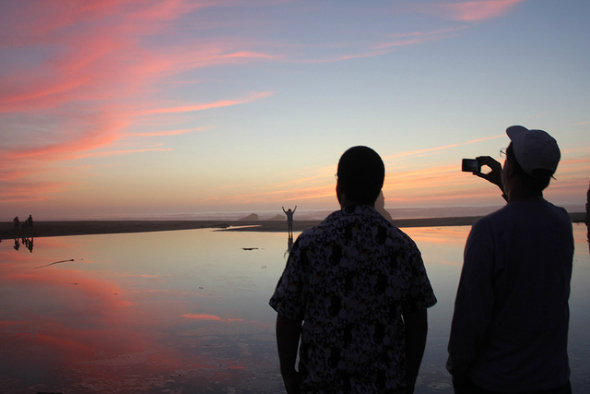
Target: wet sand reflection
{"x":188,"y":310}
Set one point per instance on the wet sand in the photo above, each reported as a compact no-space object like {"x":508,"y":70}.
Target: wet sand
{"x":63,"y":228}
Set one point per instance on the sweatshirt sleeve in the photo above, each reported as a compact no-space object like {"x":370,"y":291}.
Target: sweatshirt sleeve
{"x":474,"y":302}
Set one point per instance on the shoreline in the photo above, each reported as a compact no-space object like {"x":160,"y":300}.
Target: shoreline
{"x":94,"y":227}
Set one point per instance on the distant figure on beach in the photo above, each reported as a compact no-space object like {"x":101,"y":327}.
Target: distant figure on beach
{"x":16,"y":223}
{"x":30,"y":221}
{"x":355,"y":292}
{"x":510,"y":326}
{"x":290,"y":214}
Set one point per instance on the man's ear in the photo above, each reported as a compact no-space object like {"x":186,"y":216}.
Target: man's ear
{"x":509,"y":168}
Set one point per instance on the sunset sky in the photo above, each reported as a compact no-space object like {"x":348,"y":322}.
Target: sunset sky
{"x":176,"y":107}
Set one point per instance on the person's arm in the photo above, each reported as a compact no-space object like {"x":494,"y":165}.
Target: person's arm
{"x":494,"y":176}
{"x":288,"y":332}
{"x":416,"y":332}
{"x":474,"y":304}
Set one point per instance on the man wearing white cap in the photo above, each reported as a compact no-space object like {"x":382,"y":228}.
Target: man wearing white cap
{"x":510,"y":325}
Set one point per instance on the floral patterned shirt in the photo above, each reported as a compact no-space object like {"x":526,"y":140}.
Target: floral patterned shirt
{"x":350,"y":279}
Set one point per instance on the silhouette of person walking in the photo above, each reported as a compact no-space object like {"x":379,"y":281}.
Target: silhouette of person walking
{"x":16,"y":223}
{"x":290,"y":214}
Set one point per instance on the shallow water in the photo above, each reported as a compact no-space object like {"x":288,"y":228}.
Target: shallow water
{"x":187,"y":311}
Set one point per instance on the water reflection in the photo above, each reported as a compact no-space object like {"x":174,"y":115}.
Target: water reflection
{"x":289,"y":245}
{"x":131,"y":315}
{"x":28,"y":242}
{"x":189,"y":310}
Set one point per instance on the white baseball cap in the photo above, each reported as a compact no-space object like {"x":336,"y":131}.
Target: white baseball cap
{"x":534,"y":149}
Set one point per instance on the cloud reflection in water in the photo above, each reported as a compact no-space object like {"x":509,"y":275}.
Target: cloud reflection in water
{"x":188,"y":311}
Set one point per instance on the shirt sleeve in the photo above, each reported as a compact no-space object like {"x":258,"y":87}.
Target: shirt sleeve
{"x":474,"y":302}
{"x":287,"y":299}
{"x":421,"y":295}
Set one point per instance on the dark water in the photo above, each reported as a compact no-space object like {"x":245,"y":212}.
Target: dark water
{"x":187,"y":311}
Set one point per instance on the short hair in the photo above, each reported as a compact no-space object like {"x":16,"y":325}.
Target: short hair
{"x":361,"y":173}
{"x":536,"y":181}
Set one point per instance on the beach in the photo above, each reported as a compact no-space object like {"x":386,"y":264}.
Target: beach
{"x":87,"y":227}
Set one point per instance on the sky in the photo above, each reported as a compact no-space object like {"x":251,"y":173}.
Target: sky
{"x":144,"y":108}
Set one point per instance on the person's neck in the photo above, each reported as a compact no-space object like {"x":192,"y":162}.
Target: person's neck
{"x":345,"y":203}
{"x":519,"y":194}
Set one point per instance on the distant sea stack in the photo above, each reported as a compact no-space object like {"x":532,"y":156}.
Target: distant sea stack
{"x":250,"y":218}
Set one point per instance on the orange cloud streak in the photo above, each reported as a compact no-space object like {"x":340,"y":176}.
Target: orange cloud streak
{"x":201,"y":107}
{"x":202,"y":316}
{"x":439,"y":148}
{"x":122,"y":152}
{"x":426,"y":185}
{"x":105,"y":133}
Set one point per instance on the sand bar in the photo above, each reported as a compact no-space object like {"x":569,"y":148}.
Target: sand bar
{"x":63,"y":228}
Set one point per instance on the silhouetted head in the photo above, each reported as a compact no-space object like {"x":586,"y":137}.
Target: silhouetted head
{"x":534,"y":154}
{"x":360,"y":175}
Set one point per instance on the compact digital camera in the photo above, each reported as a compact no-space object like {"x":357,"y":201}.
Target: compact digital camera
{"x":470,"y":165}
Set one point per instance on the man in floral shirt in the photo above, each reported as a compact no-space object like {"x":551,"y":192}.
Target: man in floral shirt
{"x":355,"y":291}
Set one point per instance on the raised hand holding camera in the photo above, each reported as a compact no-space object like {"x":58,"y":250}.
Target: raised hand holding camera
{"x":475,"y":166}
{"x":495,"y":175}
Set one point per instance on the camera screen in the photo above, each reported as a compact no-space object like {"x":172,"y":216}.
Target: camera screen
{"x":469,"y":165}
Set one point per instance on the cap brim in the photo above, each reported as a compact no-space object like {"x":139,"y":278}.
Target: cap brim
{"x":515,"y":131}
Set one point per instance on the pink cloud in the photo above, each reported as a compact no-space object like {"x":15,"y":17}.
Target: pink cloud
{"x":418,"y":37}
{"x":107,"y":59}
{"x":473,"y":11}
{"x":395,"y":41}
{"x":165,"y":133}
{"x":122,"y":152}
{"x":249,"y":55}
{"x":30,"y":191}
{"x":373,"y":53}
{"x":87,"y":69}
{"x":104,"y":131}
{"x":201,"y":107}
{"x":203,"y":316}
{"x":167,"y":10}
